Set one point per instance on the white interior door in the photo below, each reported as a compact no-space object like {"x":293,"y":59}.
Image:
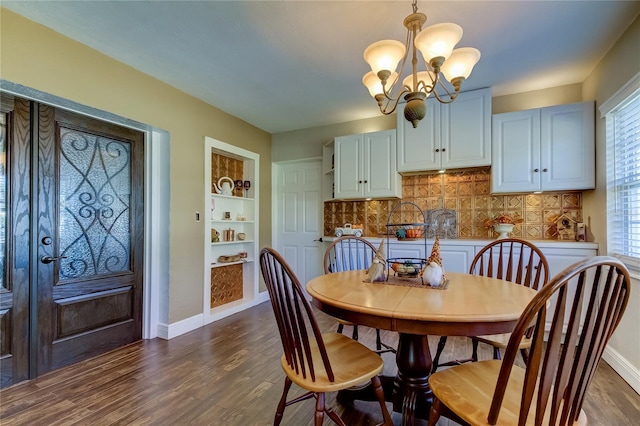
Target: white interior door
{"x":298,"y":217}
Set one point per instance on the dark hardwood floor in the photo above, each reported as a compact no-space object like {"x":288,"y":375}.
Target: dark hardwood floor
{"x":227,"y":373}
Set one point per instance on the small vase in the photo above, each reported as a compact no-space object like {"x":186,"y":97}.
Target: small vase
{"x":503,"y":229}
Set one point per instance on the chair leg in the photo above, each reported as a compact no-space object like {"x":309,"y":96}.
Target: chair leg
{"x":377,"y":388}
{"x":378,"y":340}
{"x":434,"y":414}
{"x":354,"y":336}
{"x":496,"y":353}
{"x":283,"y":401}
{"x":335,"y":417}
{"x":319,"y":415}
{"x":474,"y":345}
{"x":436,"y":359}
{"x":525,"y":355}
{"x":340,"y":328}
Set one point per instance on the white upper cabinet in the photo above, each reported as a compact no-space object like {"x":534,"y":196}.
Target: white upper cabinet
{"x":455,"y":135}
{"x":546,"y":149}
{"x":365,"y":166}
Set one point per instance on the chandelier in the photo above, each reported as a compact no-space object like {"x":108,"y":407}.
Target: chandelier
{"x":446,"y":68}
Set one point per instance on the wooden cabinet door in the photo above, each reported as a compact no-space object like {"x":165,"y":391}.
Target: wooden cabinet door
{"x":465,"y":130}
{"x":516,"y":152}
{"x":379,"y":164}
{"x":417,"y":147}
{"x":348,"y":172}
{"x":567,"y":147}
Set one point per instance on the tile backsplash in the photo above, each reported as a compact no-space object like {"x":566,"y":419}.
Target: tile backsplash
{"x":468,"y":193}
{"x":222,"y":165}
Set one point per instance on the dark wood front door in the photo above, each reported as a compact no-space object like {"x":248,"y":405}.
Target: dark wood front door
{"x":85,"y":237}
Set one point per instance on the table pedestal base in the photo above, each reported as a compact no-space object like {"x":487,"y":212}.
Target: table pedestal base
{"x":409,"y":390}
{"x":411,"y":393}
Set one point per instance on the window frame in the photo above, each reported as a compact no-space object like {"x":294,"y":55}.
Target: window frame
{"x":630,"y":92}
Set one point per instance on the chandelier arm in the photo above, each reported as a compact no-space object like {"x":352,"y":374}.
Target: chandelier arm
{"x":404,"y":60}
{"x":395,"y":102}
{"x":428,"y":88}
{"x":443,"y":100}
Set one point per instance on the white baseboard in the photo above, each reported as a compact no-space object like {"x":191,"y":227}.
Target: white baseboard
{"x":231,"y":309}
{"x":169,"y":331}
{"x":623,"y":367}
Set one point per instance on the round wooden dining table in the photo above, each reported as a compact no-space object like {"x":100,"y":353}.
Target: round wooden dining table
{"x":468,"y":305}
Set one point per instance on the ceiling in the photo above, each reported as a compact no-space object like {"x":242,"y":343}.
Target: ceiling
{"x":287,"y":65}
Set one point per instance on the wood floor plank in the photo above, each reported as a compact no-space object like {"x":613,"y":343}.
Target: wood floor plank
{"x":228,"y":373}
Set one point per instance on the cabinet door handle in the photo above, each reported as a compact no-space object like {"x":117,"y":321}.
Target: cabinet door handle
{"x":545,"y":170}
{"x":536,"y":170}
{"x":359,"y":181}
{"x":437,"y":149}
{"x":366,"y":181}
{"x":444,"y":149}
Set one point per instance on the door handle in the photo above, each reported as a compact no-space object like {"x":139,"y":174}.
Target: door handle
{"x":319,"y":239}
{"x":48,"y":259}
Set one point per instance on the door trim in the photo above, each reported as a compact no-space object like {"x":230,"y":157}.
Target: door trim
{"x":156,"y":209}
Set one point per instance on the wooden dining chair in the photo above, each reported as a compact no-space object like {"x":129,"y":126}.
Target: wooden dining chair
{"x":510,"y":259}
{"x":316,"y":362}
{"x":351,"y":253}
{"x":581,"y":307}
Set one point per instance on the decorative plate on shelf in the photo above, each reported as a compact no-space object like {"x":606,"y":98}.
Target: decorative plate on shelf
{"x":443,"y":223}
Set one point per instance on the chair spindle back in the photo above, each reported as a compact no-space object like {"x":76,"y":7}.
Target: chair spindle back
{"x":299,"y":330}
{"x":559,"y":371}
{"x":348,"y":253}
{"x":512,"y":259}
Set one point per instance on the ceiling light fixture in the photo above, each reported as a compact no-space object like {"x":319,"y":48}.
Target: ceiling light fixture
{"x":442,"y":64}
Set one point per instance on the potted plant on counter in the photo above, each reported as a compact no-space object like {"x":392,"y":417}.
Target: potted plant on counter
{"x":503,"y":223}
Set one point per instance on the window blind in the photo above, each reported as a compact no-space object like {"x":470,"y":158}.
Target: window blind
{"x":623,"y":180}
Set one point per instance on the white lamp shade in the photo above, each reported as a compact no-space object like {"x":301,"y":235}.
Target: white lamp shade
{"x":384,"y":55}
{"x":460,"y":63}
{"x":373,"y":83}
{"x":438,"y":40}
{"x":427,"y":76}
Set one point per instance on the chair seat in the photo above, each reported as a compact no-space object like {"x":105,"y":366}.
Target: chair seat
{"x":352,"y":363}
{"x":468,"y":390}
{"x":501,"y":340}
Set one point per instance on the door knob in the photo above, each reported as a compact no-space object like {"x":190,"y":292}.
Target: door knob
{"x":48,"y":259}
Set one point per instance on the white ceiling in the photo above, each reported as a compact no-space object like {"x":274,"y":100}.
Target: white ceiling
{"x":286,"y":65}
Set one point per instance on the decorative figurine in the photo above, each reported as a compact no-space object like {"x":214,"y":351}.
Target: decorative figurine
{"x":433,"y":272}
{"x":376,"y":270}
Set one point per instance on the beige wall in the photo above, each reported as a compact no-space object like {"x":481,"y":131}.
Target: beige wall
{"x":538,"y":99}
{"x":619,"y":65}
{"x":36,"y":57}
